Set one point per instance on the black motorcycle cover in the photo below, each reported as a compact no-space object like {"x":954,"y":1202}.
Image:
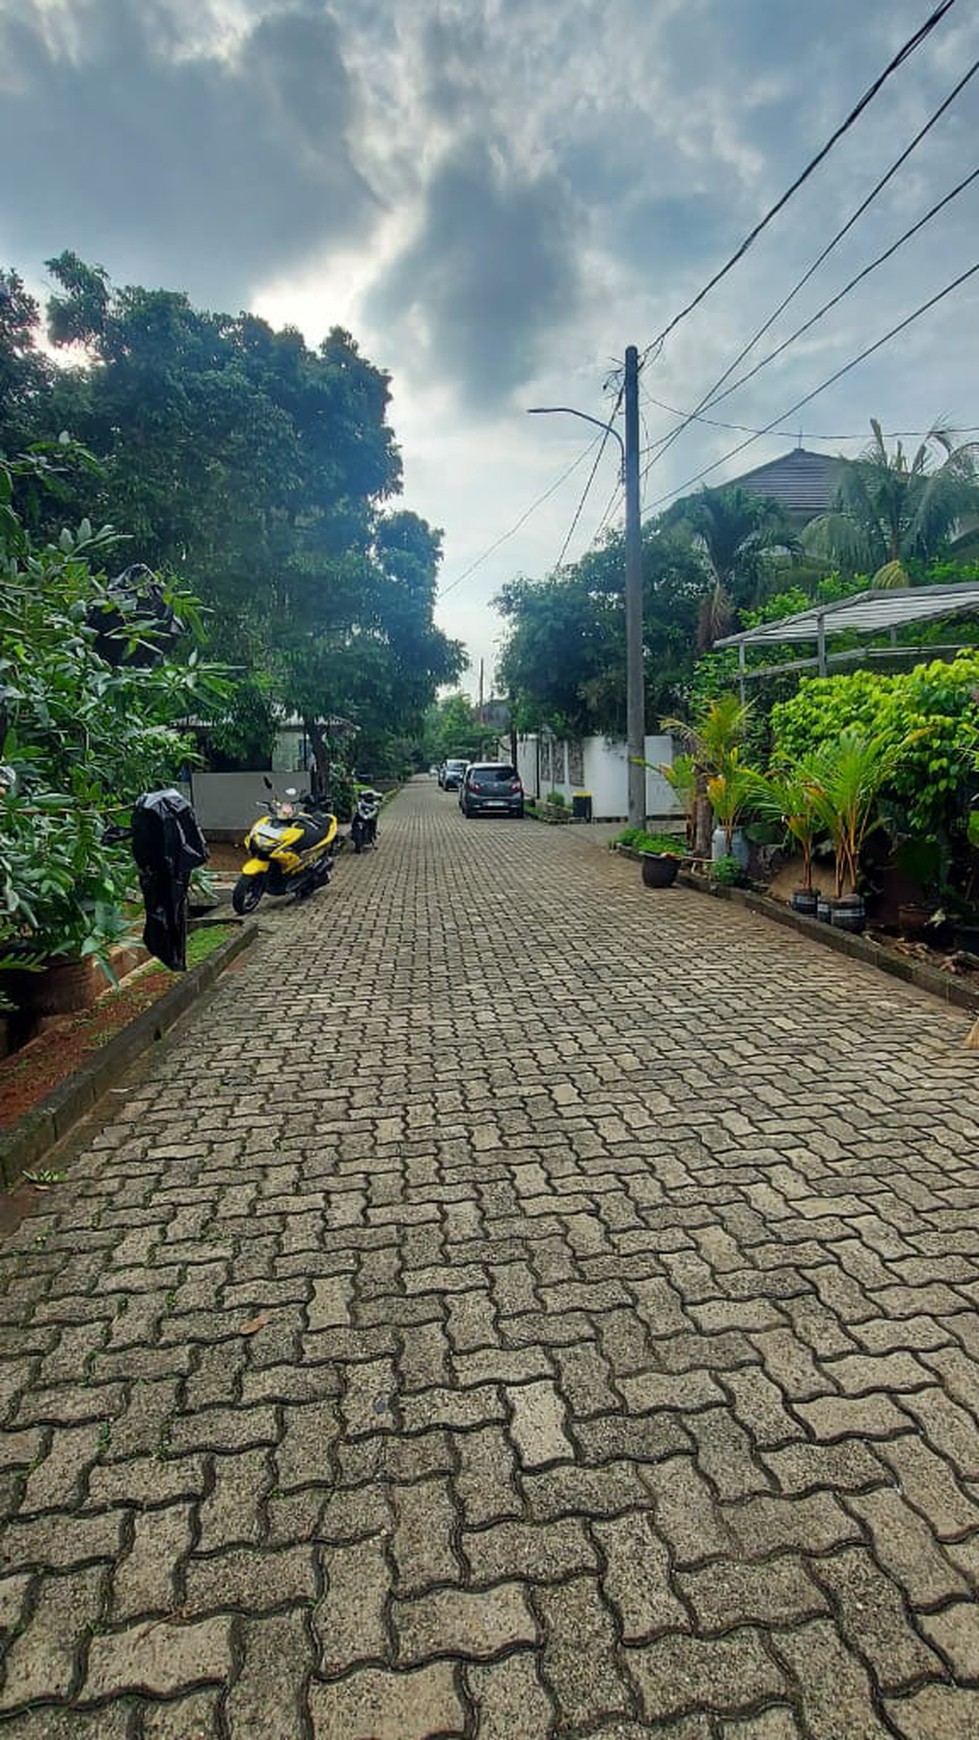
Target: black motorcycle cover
{"x":167,"y":845}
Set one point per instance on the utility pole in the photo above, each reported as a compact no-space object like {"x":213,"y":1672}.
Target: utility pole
{"x":635,"y":675}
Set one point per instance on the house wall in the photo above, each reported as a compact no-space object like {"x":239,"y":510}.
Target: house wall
{"x":546,"y":765}
{"x":228,"y":803}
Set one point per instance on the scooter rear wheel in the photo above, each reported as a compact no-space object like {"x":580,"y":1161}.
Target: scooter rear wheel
{"x":248,"y":891}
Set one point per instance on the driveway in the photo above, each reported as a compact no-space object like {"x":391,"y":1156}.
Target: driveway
{"x":519,"y":1304}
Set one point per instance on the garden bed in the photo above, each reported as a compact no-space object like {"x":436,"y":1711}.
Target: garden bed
{"x":56,"y":1078}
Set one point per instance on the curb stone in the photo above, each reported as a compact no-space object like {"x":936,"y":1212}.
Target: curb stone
{"x":29,"y":1139}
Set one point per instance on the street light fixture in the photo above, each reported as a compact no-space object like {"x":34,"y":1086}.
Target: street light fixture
{"x":635,"y":683}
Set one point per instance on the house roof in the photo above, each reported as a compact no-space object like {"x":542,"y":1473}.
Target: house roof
{"x":804,"y":482}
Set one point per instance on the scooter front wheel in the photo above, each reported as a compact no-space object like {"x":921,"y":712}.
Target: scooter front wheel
{"x":248,"y":891}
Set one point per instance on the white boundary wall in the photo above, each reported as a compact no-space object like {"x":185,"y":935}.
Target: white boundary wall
{"x":606,"y":773}
{"x":228,"y":803}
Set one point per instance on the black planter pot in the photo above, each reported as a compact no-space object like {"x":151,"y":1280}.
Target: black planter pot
{"x":659,"y":869}
{"x":849,"y":913}
{"x":824,"y":909}
{"x":804,"y":901}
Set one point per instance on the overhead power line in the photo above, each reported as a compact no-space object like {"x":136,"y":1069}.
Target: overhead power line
{"x":716,"y":398}
{"x":714,"y":395}
{"x":914,"y":42}
{"x":749,"y":428}
{"x":579,"y":510}
{"x":838,"y":374}
{"x":524,"y":517}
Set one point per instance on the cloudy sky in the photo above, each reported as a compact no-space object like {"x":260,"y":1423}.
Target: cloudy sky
{"x":496,"y":197}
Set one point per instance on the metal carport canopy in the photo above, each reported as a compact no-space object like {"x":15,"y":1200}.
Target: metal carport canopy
{"x":867,"y":612}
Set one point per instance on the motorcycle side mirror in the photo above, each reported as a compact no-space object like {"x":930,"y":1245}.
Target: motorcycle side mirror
{"x":267,"y":783}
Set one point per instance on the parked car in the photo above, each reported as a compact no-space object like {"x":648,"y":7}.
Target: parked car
{"x":491,"y":788}
{"x":451,"y":773}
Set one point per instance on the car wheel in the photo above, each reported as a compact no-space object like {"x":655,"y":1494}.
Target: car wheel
{"x":518,"y":814}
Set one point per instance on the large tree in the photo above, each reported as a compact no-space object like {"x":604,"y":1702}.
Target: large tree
{"x":564,"y":657}
{"x":264,"y":469}
{"x":890,"y":510}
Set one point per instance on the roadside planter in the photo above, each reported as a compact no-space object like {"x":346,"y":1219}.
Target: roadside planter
{"x":659,"y":869}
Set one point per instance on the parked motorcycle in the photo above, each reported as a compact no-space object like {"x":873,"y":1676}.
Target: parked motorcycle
{"x":363,"y":828}
{"x":290,"y":850}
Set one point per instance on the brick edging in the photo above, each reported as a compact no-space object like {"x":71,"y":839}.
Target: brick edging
{"x":859,"y":948}
{"x":27,"y":1141}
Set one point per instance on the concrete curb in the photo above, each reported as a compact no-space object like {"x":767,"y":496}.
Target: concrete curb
{"x":859,"y":948}
{"x":28,"y":1141}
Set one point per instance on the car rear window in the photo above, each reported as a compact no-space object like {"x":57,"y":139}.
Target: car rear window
{"x":494,"y":771}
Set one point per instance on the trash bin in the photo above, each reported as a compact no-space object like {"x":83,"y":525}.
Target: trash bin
{"x":581,"y":806}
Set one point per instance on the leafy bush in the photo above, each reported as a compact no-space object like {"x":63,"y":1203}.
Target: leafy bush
{"x":727,"y":872}
{"x":928,"y":791}
{"x":89,"y":695}
{"x":557,"y":799}
{"x":640,"y":841}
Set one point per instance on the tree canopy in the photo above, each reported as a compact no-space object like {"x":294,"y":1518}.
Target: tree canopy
{"x":260,"y":468}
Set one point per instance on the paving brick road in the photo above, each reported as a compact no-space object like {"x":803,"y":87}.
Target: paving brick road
{"x":519,"y":1305}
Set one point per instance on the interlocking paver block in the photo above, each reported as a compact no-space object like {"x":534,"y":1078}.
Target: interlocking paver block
{"x":485,"y":1479}
{"x":907,"y":1548}
{"x":509,"y":1700}
{"x":475,"y":1625}
{"x":874,"y":1618}
{"x":41,"y":1659}
{"x":537,"y":1425}
{"x":579,"y":1662}
{"x":425,"y":1527}
{"x":775,"y":1592}
{"x":350,"y":1618}
{"x":161,"y":1659}
{"x":678,"y":1674}
{"x":145,"y":1581}
{"x":685,"y":1511}
{"x":636,"y":1579}
{"x":389,"y":1706}
{"x":937,"y":1713}
{"x":834,"y":1688}
{"x":537,"y":1552}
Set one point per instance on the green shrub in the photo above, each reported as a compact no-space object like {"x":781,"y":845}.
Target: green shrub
{"x":557,"y":799}
{"x":727,"y":872}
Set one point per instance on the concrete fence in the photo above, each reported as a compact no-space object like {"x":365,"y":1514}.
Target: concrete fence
{"x":598,"y":765}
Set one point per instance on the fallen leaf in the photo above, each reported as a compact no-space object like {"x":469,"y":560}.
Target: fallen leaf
{"x":254,"y":1324}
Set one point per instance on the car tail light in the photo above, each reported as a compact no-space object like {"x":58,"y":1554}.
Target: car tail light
{"x":475,"y":785}
{"x":516,"y":786}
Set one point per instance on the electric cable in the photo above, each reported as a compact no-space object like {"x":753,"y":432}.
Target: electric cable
{"x":591,"y":478}
{"x":444,"y":591}
{"x":800,"y":331}
{"x":782,"y":417}
{"x":904,"y":53}
{"x":713,"y":395}
{"x":749,"y":429}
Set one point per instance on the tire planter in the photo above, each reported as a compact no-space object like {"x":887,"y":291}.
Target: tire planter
{"x":824,"y":909}
{"x":804,"y":901}
{"x":849,"y":913}
{"x":659,"y":870}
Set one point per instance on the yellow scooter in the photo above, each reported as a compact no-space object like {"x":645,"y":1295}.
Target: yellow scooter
{"x":290,"y":851}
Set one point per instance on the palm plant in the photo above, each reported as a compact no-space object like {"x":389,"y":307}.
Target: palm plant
{"x":845,"y":778}
{"x":730,"y":795}
{"x":734,"y":529}
{"x":787,"y":798}
{"x":681,"y":777}
{"x":889,"y":510}
{"x":712,"y":743}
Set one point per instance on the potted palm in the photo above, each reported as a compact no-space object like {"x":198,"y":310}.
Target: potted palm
{"x":729,"y":794}
{"x":785,"y":797}
{"x":846,"y":777}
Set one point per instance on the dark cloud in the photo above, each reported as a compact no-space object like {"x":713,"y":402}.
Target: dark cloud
{"x":492,"y":267}
{"x":207,"y":171}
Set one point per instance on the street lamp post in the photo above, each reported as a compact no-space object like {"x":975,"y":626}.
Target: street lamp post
{"x":635,"y":687}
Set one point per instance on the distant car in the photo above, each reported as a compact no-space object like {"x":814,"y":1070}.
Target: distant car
{"x":451,"y":773}
{"x":491,"y":788}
